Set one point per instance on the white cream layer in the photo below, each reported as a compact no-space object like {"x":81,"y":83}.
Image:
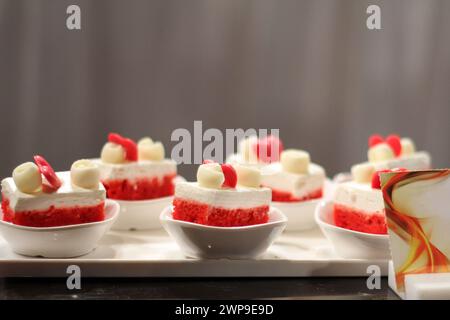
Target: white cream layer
{"x":360,"y":196}
{"x":225,"y":198}
{"x":66,"y":196}
{"x":238,"y":159}
{"x":299,"y":185}
{"x":136,"y":170}
{"x":418,"y":161}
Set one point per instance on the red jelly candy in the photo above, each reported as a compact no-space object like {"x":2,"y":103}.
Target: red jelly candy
{"x":230,"y":175}
{"x":375,"y":139}
{"x":131,"y":153}
{"x":376,"y":183}
{"x":394,"y":142}
{"x":268,"y":149}
{"x":47,"y":171}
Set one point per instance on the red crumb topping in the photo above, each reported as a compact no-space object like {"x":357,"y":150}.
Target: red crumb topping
{"x":192,"y":211}
{"x":285,"y":196}
{"x":53,"y":217}
{"x":353,"y":219}
{"x":140,"y":189}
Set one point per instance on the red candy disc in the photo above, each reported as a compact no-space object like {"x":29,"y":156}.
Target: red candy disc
{"x":376,"y":183}
{"x":131,"y":153}
{"x":375,"y":139}
{"x":394,"y":142}
{"x":230,"y":175}
{"x":49,"y":174}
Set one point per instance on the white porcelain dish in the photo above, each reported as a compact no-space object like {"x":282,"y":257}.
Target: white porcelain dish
{"x":347,"y":243}
{"x":58,"y":242}
{"x":300,"y":214}
{"x":140,"y":214}
{"x":200,"y":241}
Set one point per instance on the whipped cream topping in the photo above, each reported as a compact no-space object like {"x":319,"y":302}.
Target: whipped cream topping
{"x":417,"y":161}
{"x":240,"y":197}
{"x":274,"y":177}
{"x":136,"y":169}
{"x":360,"y":196}
{"x":237,"y":158}
{"x":66,"y":196}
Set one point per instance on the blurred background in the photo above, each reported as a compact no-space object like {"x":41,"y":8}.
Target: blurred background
{"x":308,"y":67}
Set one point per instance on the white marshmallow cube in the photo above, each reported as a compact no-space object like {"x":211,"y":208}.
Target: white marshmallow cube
{"x":27,"y":177}
{"x":113,"y":153}
{"x":210,"y":176}
{"x":85,"y":174}
{"x":380,"y":152}
{"x":295,"y":161}
{"x":248,"y":176}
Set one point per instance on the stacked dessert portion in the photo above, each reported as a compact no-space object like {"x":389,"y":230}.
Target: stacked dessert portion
{"x":224,"y":195}
{"x":36,"y":196}
{"x":257,"y":152}
{"x":136,"y":171}
{"x":358,"y":204}
{"x":294,"y":178}
{"x":288,"y":173}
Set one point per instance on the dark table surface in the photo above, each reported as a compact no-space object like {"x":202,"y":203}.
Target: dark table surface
{"x":237,"y":288}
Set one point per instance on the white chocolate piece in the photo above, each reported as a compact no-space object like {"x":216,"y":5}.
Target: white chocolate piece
{"x":27,"y":177}
{"x":380,"y":152}
{"x":145,"y":140}
{"x":408,"y":147}
{"x":113,"y":153}
{"x":210,"y":175}
{"x":149,"y":150}
{"x":248,"y":176}
{"x":295,"y":161}
{"x":363,"y":172}
{"x":85,"y":174}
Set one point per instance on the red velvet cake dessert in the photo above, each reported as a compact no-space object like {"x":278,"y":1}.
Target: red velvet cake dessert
{"x":36,"y":196}
{"x":258,"y":152}
{"x":224,"y":195}
{"x":358,"y":204}
{"x":294,"y":178}
{"x":136,"y":171}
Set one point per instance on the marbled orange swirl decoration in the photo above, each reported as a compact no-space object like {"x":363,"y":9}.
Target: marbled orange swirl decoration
{"x":423,"y":256}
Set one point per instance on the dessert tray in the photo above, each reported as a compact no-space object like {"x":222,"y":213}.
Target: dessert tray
{"x":154,"y":254}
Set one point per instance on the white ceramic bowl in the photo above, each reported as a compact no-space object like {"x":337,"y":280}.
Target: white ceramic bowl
{"x":58,"y":242}
{"x":300,"y":214}
{"x":347,"y":243}
{"x":200,"y":241}
{"x":140,"y":214}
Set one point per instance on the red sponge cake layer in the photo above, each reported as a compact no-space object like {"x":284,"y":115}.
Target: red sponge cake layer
{"x":350,"y":218}
{"x":283,"y":196}
{"x":192,"y":211}
{"x":53,"y":217}
{"x":140,"y":189}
